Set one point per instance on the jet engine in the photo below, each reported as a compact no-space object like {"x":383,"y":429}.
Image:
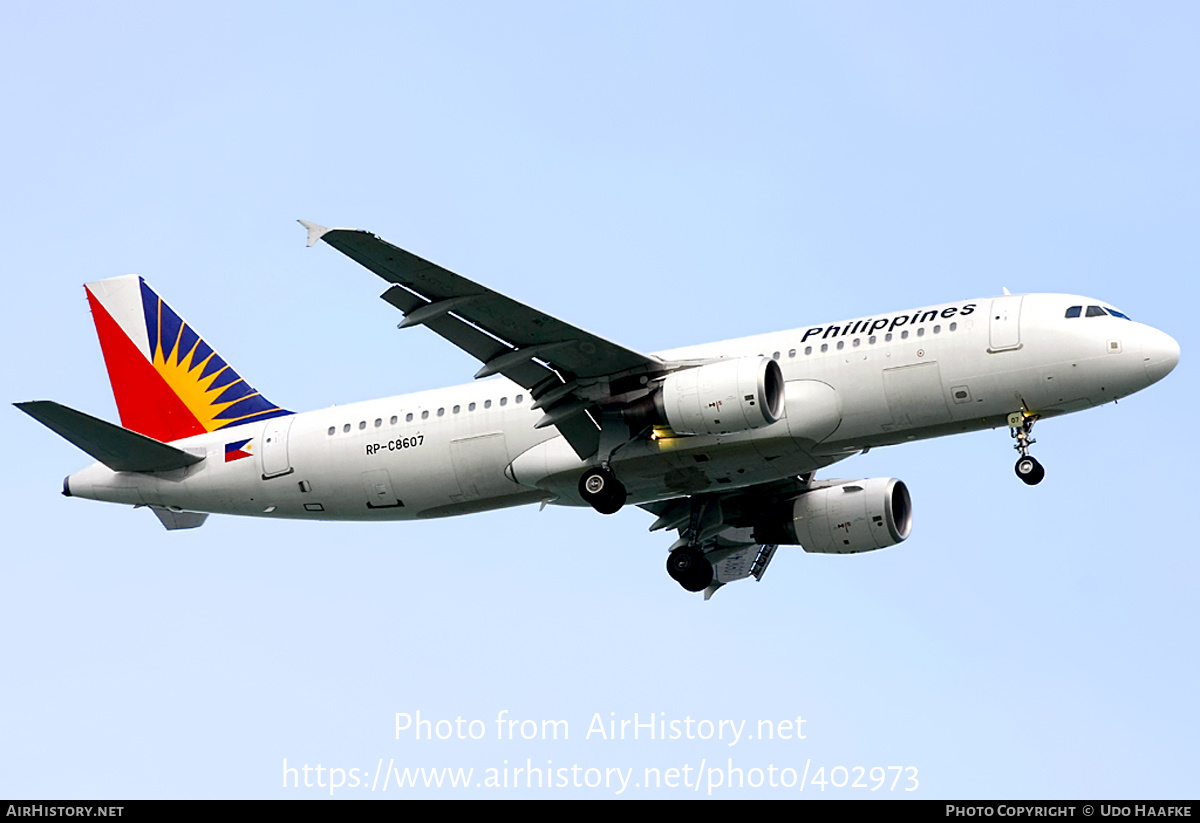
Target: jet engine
{"x":732,"y":395}
{"x":848,"y":517}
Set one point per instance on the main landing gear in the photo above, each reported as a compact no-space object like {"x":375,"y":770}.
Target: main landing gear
{"x":599,"y":486}
{"x":601,"y":489}
{"x":1020,"y":426}
{"x":688,"y":565}
{"x":690,"y":568}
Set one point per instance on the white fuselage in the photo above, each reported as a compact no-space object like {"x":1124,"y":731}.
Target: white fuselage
{"x":852,"y":385}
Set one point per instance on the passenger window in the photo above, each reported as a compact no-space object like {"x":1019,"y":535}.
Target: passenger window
{"x":471,"y":407}
{"x":520,"y":398}
{"x":487,"y":404}
{"x":425,"y":414}
{"x":824,"y":347}
{"x":378,"y":422}
{"x":346,"y":427}
{"x":395,"y":420}
{"x":408,"y":417}
{"x":841,"y":345}
{"x":792,"y":353}
{"x":808,"y":349}
{"x":1074,"y":311}
{"x":332,"y":429}
{"x":503,"y":401}
{"x":442,"y":412}
{"x":457,"y":409}
{"x":362,"y":424}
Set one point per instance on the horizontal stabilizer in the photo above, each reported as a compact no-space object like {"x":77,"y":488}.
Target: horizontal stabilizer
{"x":120,"y":449}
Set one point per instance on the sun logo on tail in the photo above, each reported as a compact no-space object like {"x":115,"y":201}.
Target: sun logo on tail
{"x":198,"y":376}
{"x":168,"y":382}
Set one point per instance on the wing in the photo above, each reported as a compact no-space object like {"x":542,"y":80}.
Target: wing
{"x":567,"y":370}
{"x":716,"y":526}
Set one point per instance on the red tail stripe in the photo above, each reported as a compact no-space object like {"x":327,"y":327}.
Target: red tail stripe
{"x":145,"y":401}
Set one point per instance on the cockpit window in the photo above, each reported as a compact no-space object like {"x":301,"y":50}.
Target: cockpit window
{"x":1095,"y":311}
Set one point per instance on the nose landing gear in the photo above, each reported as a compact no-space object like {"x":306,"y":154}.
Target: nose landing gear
{"x":1020,"y":426}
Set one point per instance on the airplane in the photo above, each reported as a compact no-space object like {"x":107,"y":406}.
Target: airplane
{"x":719,"y":442}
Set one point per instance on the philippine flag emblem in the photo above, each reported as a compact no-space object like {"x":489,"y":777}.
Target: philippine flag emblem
{"x":237,"y":450}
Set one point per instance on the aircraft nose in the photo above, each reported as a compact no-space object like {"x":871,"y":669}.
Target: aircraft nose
{"x":1160,"y":354}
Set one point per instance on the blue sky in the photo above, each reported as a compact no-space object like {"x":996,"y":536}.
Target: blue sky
{"x":661,"y":174}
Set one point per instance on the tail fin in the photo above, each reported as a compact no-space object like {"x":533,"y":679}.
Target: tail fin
{"x":168,"y":382}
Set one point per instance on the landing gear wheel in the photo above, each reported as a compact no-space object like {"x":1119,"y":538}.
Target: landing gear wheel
{"x":601,"y":490}
{"x":1020,"y":428}
{"x":690,"y":568}
{"x":1029,"y":470}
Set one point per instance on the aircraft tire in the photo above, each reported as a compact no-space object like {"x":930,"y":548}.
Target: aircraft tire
{"x":690,"y":568}
{"x":1030,"y":470}
{"x":601,"y":490}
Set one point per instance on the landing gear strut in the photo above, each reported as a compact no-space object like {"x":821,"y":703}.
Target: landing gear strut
{"x":687,"y":565}
{"x":601,"y":489}
{"x":1020,"y":426}
{"x":599,"y":486}
{"x":690,"y":568}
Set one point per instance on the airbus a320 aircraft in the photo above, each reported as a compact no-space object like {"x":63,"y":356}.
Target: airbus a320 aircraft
{"x":719,"y":442}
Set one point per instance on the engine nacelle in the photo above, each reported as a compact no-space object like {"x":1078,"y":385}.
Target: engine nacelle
{"x":727,"y":396}
{"x":852,"y":516}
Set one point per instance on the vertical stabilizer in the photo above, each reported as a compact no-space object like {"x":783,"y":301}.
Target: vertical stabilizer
{"x":167,"y":381}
